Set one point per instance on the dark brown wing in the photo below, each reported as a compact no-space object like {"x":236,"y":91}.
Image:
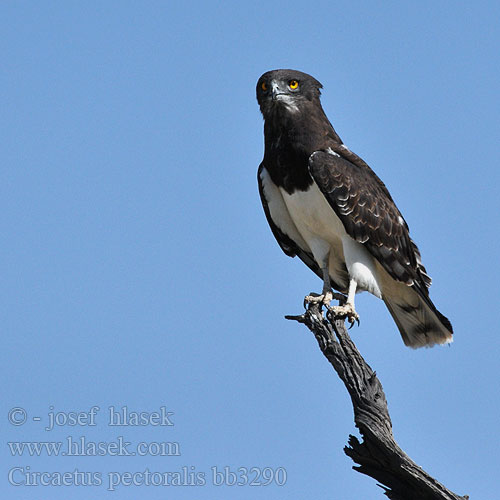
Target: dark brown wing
{"x":368,"y":213}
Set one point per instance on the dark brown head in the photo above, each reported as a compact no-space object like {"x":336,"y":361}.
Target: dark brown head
{"x":286,"y":90}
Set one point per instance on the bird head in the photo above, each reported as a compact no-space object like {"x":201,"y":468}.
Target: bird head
{"x":286,"y":90}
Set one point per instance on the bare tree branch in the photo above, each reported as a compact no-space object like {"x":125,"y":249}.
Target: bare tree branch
{"x":378,"y":456}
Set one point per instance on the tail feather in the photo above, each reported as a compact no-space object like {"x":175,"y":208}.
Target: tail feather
{"x":418,"y":320}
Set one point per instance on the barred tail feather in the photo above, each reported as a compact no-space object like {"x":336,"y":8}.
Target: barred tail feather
{"x":418,"y":320}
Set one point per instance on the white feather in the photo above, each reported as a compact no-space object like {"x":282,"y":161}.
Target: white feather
{"x":332,"y":152}
{"x":279,"y":212}
{"x":328,"y":240}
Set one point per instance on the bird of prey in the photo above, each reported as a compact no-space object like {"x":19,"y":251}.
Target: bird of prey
{"x":327,"y":206}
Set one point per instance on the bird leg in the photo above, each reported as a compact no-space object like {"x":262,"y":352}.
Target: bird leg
{"x":327,"y":294}
{"x":347,"y":310}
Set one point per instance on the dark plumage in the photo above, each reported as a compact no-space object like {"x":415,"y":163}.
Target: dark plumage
{"x":327,"y":206}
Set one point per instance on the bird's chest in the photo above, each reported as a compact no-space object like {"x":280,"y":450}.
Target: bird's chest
{"x":287,"y":166}
{"x":312,"y":214}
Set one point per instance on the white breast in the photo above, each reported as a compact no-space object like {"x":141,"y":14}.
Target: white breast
{"x":326,"y":236}
{"x":313,"y":216}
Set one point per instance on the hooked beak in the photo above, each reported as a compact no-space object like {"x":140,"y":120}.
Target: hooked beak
{"x":275,"y":91}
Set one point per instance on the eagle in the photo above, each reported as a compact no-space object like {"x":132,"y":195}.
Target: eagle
{"x":325,"y":205}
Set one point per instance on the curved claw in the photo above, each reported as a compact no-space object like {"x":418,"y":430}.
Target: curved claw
{"x":352,"y":322}
{"x":346,"y":311}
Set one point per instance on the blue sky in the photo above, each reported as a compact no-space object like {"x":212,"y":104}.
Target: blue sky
{"x":138,"y":269}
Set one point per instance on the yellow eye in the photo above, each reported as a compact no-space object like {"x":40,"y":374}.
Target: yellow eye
{"x":293,"y":84}
{"x":263,"y":86}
